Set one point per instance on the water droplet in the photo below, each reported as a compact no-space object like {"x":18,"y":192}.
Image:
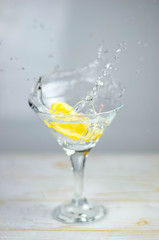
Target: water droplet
{"x":11,"y":59}
{"x":100,"y":52}
{"x":56,"y":68}
{"x":50,"y":56}
{"x":139,"y":42}
{"x":100,"y":83}
{"x":35,"y":20}
{"x":28,"y":79}
{"x":108,"y":65}
{"x":122,"y":44}
{"x":96,"y":62}
{"x":89,"y":98}
{"x":125,"y":45}
{"x":106,"y":51}
{"x":145,"y":44}
{"x":137,"y":71}
{"x":118,"y":50}
{"x":105,"y":73}
{"x":1,"y":70}
{"x":42,"y":26}
{"x":23,"y":68}
{"x":116,"y":57}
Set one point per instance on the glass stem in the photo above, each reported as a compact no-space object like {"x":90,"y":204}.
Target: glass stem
{"x":78,"y":163}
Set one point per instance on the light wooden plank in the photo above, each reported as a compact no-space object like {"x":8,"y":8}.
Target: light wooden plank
{"x":32,"y":185}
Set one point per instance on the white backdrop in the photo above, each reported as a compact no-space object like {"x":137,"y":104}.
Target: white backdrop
{"x":37,"y":35}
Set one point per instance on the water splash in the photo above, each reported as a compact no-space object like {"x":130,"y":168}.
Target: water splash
{"x":36,"y":100}
{"x":103,"y":82}
{"x":99,"y":73}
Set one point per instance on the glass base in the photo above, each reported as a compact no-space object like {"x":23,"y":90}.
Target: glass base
{"x":79,"y":211}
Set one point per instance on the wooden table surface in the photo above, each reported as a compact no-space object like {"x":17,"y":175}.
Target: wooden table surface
{"x":32,"y":185}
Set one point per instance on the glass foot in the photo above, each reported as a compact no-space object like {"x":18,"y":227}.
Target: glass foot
{"x":79,"y":211}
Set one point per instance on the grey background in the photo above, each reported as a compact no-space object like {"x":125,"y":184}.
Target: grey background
{"x":37,"y":35}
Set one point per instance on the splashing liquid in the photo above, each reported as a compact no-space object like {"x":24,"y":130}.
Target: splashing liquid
{"x":35,"y":99}
{"x":86,"y":106}
{"x":99,"y":72}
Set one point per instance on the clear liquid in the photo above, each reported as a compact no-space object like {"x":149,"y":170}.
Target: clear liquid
{"x":104,"y":79}
{"x":98,"y":73}
{"x":97,"y":92}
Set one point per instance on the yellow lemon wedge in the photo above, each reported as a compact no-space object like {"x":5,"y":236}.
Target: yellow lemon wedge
{"x":60,"y":107}
{"x":74,"y":130}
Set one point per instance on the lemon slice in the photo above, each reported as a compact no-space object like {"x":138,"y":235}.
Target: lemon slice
{"x":60,"y":107}
{"x":75,"y":131}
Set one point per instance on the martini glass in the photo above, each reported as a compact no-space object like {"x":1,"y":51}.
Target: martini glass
{"x":52,"y":99}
